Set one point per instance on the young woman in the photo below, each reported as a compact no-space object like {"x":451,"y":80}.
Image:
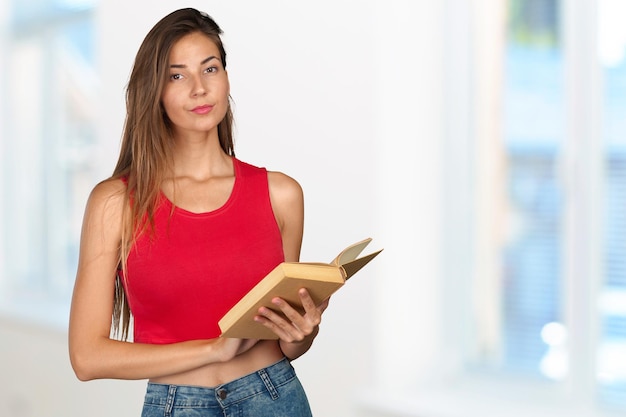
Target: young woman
{"x":188,"y":229}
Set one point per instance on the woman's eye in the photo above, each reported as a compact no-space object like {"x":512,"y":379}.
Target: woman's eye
{"x":175,"y":77}
{"x":211,"y":69}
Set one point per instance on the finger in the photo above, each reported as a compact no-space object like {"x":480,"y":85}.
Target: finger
{"x":306,"y":300}
{"x":287,"y":309}
{"x":271,"y":315}
{"x":305,"y":323}
{"x":313,"y":311}
{"x":309,"y":304}
{"x":278,"y":324}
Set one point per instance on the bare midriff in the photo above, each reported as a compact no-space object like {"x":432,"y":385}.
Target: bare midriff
{"x":262,"y":355}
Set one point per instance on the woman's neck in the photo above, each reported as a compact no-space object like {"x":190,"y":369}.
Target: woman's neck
{"x":200,"y":157}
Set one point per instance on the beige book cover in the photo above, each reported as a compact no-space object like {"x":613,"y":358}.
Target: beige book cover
{"x":284,"y":281}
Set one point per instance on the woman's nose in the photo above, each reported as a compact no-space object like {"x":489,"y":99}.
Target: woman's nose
{"x":199,"y":89}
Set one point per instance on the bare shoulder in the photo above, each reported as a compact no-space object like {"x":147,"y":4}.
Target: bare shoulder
{"x":284,"y":188}
{"x":109,"y":188}
{"x":106,"y":200}
{"x":287,"y":200}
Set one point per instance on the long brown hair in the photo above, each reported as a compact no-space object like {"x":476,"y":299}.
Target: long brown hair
{"x":146,"y":150}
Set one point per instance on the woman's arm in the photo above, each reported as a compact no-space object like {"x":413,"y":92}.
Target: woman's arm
{"x":288,"y":204}
{"x":92,"y":353}
{"x":297,"y":334}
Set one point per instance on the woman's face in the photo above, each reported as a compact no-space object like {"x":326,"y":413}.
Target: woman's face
{"x":195,"y":96}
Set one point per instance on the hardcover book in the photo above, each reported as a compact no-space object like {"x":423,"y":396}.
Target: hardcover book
{"x":284,"y":281}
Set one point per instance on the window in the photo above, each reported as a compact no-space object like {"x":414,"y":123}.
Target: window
{"x":532,"y":140}
{"x":611,"y":355}
{"x":559,"y":281}
{"x":49,"y":94}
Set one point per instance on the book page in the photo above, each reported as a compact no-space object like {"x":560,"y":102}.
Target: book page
{"x":350,"y":253}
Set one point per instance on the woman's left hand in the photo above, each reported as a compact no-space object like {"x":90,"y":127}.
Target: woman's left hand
{"x":293,"y":326}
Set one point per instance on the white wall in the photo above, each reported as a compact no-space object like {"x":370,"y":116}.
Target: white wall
{"x":345,"y":96}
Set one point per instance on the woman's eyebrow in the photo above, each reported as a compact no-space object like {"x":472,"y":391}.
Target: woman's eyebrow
{"x":208,"y":59}
{"x":204,"y":61}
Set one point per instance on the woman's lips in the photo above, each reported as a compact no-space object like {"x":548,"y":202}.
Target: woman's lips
{"x":202,"y":109}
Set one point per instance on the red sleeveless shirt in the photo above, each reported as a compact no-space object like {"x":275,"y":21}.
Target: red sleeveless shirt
{"x":182,"y":280}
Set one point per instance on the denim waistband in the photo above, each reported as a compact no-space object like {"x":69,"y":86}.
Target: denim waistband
{"x":266,"y":379}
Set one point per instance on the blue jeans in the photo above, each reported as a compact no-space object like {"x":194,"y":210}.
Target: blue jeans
{"x":274,"y":391}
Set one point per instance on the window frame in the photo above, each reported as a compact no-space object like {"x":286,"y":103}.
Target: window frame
{"x":45,"y":301}
{"x":472,"y":36}
{"x":581,"y":169}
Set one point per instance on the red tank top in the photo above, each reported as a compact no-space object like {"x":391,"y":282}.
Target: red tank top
{"x":180,"y":282}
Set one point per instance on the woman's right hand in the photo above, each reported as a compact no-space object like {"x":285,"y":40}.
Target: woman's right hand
{"x":231,"y":347}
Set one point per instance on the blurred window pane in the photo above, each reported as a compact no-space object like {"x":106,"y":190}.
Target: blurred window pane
{"x":533,"y":334}
{"x":612,"y":303}
{"x":48,"y":142}
{"x":533,"y":136}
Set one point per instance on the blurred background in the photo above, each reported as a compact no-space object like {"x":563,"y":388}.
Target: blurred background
{"x":482,"y":143}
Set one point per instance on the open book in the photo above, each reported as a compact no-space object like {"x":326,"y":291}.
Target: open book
{"x":284,"y":281}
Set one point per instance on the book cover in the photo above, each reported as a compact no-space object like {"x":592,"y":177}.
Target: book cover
{"x":284,"y":281}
